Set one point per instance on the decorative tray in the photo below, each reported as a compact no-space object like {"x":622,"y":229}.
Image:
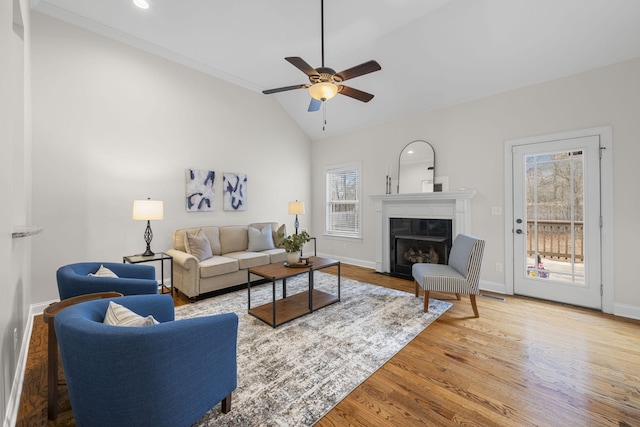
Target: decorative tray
{"x":298,"y":264}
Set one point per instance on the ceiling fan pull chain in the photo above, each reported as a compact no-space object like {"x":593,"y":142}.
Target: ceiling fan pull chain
{"x":324,"y":115}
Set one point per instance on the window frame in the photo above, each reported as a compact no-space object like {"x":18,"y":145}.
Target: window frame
{"x":329,"y":172}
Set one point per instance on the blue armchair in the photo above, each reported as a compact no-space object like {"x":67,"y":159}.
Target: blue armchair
{"x":133,"y":279}
{"x":168,"y":374}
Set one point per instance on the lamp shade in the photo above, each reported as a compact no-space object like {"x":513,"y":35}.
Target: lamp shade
{"x":296,"y":208}
{"x":147,"y":210}
{"x":323,"y":91}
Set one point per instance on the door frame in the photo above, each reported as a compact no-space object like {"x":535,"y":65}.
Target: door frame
{"x":605,"y":133}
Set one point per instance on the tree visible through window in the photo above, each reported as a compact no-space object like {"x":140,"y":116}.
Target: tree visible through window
{"x":343,"y":215}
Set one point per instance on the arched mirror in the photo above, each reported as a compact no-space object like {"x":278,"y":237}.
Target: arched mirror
{"x":416,"y":168}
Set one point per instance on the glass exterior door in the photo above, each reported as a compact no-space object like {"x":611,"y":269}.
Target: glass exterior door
{"x":556,"y":221}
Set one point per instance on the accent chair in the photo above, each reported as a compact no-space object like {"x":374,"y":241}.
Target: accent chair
{"x":460,"y":276}
{"x":164,"y":375}
{"x":133,"y":279}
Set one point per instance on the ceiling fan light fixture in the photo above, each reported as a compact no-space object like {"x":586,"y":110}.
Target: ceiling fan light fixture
{"x":323,"y":91}
{"x":142,"y":4}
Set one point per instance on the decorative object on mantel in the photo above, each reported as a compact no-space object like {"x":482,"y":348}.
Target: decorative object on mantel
{"x":200,"y":191}
{"x":293,"y":245}
{"x":416,"y":168}
{"x":148,"y":210}
{"x":296,"y":208}
{"x":388,"y":180}
{"x":25,"y":231}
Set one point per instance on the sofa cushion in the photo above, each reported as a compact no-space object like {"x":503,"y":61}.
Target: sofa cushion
{"x":249,"y":259}
{"x":260,"y":239}
{"x":211,"y":232}
{"x":233,"y":238}
{"x":198,"y":245}
{"x":218,"y":265}
{"x":276,"y":255}
{"x":277,"y":240}
{"x":118,"y":315}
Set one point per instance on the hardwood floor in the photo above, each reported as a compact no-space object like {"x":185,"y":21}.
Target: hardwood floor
{"x":524,"y":362}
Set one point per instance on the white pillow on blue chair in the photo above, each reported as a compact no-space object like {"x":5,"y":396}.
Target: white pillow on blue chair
{"x":118,"y":315}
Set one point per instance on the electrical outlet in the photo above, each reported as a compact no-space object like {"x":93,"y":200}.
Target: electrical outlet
{"x":496,"y":210}
{"x":498,"y":266}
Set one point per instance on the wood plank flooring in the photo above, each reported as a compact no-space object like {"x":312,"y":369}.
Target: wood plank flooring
{"x":524,"y":362}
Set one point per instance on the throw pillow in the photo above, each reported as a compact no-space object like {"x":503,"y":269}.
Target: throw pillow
{"x":277,"y":240}
{"x":260,"y":240}
{"x":198,"y":245}
{"x":118,"y":315}
{"x":104,"y":272}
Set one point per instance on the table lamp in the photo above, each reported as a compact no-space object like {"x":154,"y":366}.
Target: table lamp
{"x":296,"y":208}
{"x":147,"y":210}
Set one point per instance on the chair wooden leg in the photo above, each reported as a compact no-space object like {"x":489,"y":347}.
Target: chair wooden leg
{"x":426,"y":301}
{"x":474,"y":305}
{"x":226,"y":404}
{"x":458,"y":297}
{"x":417,"y":288}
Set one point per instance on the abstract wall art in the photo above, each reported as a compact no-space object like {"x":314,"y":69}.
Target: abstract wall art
{"x":234,"y":186}
{"x":200,"y":190}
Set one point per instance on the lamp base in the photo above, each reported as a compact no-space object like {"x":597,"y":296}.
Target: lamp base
{"x":148,"y":235}
{"x":148,"y":253}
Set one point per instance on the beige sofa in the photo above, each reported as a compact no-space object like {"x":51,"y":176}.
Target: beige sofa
{"x":211,"y":258}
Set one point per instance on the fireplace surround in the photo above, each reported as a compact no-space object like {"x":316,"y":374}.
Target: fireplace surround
{"x":454,"y":206}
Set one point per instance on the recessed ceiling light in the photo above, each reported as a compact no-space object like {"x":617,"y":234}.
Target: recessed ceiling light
{"x":142,"y":4}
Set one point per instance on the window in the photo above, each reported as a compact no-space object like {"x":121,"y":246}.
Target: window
{"x":343,"y":214}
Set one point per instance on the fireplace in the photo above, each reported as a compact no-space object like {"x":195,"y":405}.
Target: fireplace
{"x":418,"y":240}
{"x":454,"y":207}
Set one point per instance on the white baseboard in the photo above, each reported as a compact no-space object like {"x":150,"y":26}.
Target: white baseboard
{"x":496,"y":287}
{"x":13,"y":404}
{"x":352,"y":261}
{"x":624,"y":310}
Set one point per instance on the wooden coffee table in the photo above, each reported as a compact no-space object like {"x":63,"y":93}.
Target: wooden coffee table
{"x":291,"y":307}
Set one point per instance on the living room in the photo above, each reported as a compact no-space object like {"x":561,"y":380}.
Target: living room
{"x":110,"y":124}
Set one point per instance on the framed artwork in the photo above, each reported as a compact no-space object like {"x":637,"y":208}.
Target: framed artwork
{"x":200,"y":190}
{"x":234,"y":186}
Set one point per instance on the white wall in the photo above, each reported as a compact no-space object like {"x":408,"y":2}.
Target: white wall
{"x":112,"y":124}
{"x":469,"y":141}
{"x":15,"y":190}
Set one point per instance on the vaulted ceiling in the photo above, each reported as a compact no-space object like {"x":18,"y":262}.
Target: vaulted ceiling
{"x":433,"y":53}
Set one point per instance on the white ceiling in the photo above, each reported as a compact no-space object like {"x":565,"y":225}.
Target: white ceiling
{"x":433,"y":53}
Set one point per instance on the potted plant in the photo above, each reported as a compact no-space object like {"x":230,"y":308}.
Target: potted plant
{"x":293,"y":245}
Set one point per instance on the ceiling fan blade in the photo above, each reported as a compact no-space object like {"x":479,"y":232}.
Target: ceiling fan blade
{"x":283,"y":89}
{"x":355,"y":93}
{"x":302,"y":65}
{"x":314,"y":105}
{"x":359,"y":70}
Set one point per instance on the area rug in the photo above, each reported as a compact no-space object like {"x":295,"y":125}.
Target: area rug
{"x":294,"y":374}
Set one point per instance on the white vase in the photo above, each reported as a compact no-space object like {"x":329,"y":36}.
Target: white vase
{"x":293,"y":257}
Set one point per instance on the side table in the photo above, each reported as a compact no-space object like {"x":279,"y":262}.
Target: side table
{"x":158,"y":256}
{"x":49,"y":315}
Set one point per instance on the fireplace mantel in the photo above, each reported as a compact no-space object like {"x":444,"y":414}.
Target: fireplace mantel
{"x":454,"y":205}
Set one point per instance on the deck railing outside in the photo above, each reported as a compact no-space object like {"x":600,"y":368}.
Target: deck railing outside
{"x":555,"y":240}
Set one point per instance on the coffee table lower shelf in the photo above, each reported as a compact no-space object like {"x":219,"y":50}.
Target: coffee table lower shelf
{"x":292,"y":307}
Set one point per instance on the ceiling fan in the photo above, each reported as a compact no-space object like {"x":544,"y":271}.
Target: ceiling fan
{"x":324,"y":82}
